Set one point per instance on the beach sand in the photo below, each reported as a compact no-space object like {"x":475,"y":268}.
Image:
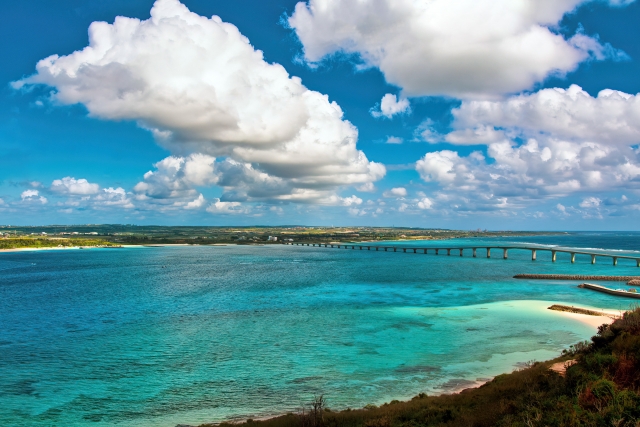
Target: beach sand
{"x":595,"y":321}
{"x":608,"y":317}
{"x":55,"y":248}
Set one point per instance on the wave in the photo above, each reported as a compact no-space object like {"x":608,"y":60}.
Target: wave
{"x":579,"y":248}
{"x":539,"y":245}
{"x":603,"y":249}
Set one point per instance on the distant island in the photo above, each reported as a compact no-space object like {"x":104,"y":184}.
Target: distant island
{"x":15,"y":237}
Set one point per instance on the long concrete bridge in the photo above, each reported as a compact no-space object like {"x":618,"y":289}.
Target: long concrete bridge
{"x":474,"y":250}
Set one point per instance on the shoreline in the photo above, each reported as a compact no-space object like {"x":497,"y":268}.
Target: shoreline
{"x":563,"y":316}
{"x":608,"y":316}
{"x":55,"y":248}
{"x":68,"y":248}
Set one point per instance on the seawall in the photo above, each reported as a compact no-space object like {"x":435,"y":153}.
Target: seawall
{"x":576,"y":277}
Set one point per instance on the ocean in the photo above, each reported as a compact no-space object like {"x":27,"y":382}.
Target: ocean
{"x":186,"y":335}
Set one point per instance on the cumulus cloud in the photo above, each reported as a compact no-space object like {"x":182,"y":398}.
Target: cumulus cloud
{"x":611,"y":117}
{"x":113,"y":197}
{"x":72,"y":186}
{"x":550,"y":143}
{"x":413,"y":206}
{"x":446,"y":167}
{"x":533,"y":170}
{"x":459,"y":48}
{"x":175,"y":178}
{"x":367,"y":187}
{"x":425,"y":203}
{"x":27,"y":194}
{"x":394,"y":140}
{"x":200,"y":87}
{"x":390,"y":106}
{"x":227,"y":208}
{"x":478,"y":135}
{"x":395,"y":192}
{"x":174,"y":182}
{"x":33,"y":196}
{"x":596,"y":208}
{"x":69,"y":194}
{"x":351,"y":201}
{"x":590,"y":202}
{"x":357,"y":212}
{"x":197,"y":203}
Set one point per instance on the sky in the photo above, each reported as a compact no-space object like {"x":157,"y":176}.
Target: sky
{"x":465,"y":114}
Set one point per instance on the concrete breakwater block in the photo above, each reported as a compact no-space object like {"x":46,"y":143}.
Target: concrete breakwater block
{"x":632,"y":293}
{"x":577,"y":277}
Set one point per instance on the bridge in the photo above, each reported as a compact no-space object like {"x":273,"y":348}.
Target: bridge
{"x":474,"y":250}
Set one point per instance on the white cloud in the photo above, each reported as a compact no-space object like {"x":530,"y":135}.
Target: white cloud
{"x":227,"y":208}
{"x":113,"y":197}
{"x":595,"y":208}
{"x":27,"y":194}
{"x":200,"y":87}
{"x":394,"y":140}
{"x":445,"y":167}
{"x":573,"y":143}
{"x":2,"y":202}
{"x":33,"y":196}
{"x":612,"y":117}
{"x":72,"y":186}
{"x":351,"y":201}
{"x":395,"y":192}
{"x":480,"y":134}
{"x":390,"y":106}
{"x":357,"y":212}
{"x":197,"y":203}
{"x":425,"y":203}
{"x":277,"y":210}
{"x":533,"y":170}
{"x":459,"y":48}
{"x":590,"y":202}
{"x":367,"y":187}
{"x":173,"y":183}
{"x":176,"y":177}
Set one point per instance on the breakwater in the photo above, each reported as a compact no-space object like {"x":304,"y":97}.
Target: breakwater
{"x":577,"y":277}
{"x":578,"y":310}
{"x":605,"y":290}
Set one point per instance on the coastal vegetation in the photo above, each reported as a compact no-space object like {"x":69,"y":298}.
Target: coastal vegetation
{"x":49,"y":242}
{"x":600,"y":387}
{"x":145,"y":235}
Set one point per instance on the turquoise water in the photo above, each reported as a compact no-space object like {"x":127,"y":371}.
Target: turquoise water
{"x":161,"y":336}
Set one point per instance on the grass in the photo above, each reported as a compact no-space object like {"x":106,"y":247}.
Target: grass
{"x":601,"y":389}
{"x":46,"y":242}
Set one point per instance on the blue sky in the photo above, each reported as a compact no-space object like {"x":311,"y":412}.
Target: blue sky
{"x":457,"y":114}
